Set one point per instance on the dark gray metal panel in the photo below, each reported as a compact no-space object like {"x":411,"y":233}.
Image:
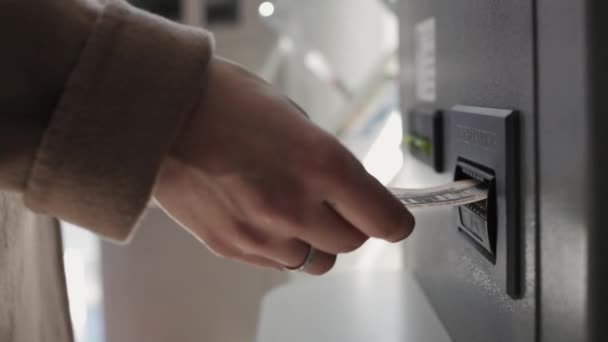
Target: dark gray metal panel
{"x":598,"y":164}
{"x":485,"y":57}
{"x":564,"y":168}
{"x":574,"y":165}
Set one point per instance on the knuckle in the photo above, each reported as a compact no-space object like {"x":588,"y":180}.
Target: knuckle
{"x":316,"y":141}
{"x":302,"y":224}
{"x":296,"y":219}
{"x":339,"y":164}
{"x":321,"y":154}
{"x":332,"y":159}
{"x":282,"y":212}
{"x":264,"y":209}
{"x":249,"y":239}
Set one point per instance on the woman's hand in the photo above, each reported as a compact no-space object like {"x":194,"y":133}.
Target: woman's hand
{"x":257,"y":182}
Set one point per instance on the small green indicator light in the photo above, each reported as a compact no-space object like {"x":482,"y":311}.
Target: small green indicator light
{"x":419,"y":143}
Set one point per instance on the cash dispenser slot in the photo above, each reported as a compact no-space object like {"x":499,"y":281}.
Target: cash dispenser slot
{"x":483,"y":145}
{"x":478,"y":220}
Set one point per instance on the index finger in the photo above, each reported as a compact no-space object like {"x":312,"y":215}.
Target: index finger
{"x":363,"y":201}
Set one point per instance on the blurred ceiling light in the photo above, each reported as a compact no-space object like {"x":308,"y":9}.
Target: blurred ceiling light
{"x":266,"y":9}
{"x":317,"y":64}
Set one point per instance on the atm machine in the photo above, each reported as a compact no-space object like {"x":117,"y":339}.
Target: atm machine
{"x":510,"y":93}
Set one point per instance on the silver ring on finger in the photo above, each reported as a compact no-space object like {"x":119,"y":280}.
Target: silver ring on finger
{"x":307,"y":260}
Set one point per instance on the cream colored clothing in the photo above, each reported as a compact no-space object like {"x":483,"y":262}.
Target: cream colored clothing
{"x":91,"y":97}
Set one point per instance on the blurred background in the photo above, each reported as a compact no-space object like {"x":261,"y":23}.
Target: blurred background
{"x":337,"y":59}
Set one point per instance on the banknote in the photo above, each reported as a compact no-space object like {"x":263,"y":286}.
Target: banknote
{"x":450,"y":194}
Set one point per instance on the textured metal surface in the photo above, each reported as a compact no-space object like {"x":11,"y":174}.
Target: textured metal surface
{"x":572,"y":149}
{"x":484,"y":57}
{"x":564,"y":170}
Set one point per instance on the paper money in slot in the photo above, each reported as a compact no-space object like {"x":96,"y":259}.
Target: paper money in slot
{"x":455,"y":193}
{"x":478,"y":219}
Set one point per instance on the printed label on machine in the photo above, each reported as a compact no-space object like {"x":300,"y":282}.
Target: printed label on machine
{"x":426,"y":88}
{"x":451,"y":194}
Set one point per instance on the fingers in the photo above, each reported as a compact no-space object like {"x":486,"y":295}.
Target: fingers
{"x":258,"y":261}
{"x":293,"y":250}
{"x":235,"y":239}
{"x":287,"y":252}
{"x":320,"y":263}
{"x":329,"y":232}
{"x":303,"y":216}
{"x":226,"y":250}
{"x":290,"y":254}
{"x":361,"y":200}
